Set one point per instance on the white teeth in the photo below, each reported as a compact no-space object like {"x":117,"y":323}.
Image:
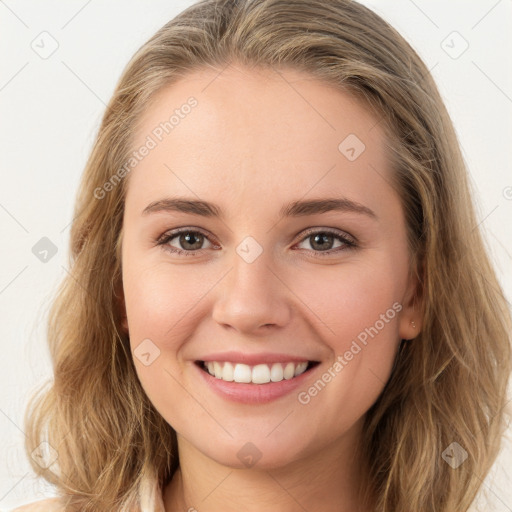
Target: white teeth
{"x":228,"y":372}
{"x":289,"y":371}
{"x":217,"y":369}
{"x":300,"y":368}
{"x":276,"y":372}
{"x":261,"y":374}
{"x":241,"y":373}
{"x":258,"y":374}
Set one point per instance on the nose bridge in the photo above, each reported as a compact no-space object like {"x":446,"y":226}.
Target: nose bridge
{"x":251,"y":296}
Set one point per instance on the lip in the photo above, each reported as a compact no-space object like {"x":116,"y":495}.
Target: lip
{"x":254,"y":359}
{"x":248,"y":393}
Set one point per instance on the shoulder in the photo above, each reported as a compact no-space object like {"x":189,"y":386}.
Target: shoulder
{"x":47,"y":505}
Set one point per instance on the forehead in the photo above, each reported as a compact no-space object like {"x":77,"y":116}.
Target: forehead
{"x":260,"y":131}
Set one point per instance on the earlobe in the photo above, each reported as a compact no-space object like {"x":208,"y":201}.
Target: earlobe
{"x":124,"y":324}
{"x":411,"y":316}
{"x":410,"y":330}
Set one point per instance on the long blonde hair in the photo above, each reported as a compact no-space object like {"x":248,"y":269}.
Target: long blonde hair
{"x":449,"y":384}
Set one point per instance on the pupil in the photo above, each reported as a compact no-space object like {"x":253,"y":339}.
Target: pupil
{"x":322,"y":241}
{"x":188,"y":238}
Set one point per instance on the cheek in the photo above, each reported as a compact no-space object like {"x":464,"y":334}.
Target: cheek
{"x":354,"y":309}
{"x":159,"y":304}
{"x":347,"y":300}
{"x":160,"y":299}
{"x":358,"y":311}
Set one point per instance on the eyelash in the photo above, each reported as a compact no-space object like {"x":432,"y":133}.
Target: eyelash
{"x":348,"y":241}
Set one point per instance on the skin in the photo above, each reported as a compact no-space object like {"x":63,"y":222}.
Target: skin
{"x":256,"y":141}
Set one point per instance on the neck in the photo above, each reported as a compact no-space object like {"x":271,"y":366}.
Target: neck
{"x":325,"y":481}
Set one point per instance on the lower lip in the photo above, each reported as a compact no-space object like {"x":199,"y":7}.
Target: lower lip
{"x":247,"y":393}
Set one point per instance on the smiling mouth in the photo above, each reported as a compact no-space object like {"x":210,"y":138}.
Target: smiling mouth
{"x":255,"y":374}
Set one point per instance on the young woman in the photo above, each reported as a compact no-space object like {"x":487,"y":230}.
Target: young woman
{"x":278,"y":299}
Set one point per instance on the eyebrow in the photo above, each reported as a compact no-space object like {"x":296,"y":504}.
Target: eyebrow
{"x":298,"y":208}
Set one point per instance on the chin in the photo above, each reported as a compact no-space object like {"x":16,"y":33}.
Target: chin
{"x":258,"y":452}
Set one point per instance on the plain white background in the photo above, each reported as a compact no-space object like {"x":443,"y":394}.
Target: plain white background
{"x":50,"y":109}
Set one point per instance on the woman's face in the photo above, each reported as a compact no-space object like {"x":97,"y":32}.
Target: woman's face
{"x":293,"y":250}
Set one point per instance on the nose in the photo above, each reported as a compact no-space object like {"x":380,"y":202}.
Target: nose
{"x":252,"y":297}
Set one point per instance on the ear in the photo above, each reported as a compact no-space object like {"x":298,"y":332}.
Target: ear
{"x":411,"y":316}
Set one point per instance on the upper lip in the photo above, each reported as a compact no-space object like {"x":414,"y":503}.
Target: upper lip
{"x":253,"y":359}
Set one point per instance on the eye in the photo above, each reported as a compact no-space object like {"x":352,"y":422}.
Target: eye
{"x":184,"y":241}
{"x":324,"y":241}
{"x":188,"y":241}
